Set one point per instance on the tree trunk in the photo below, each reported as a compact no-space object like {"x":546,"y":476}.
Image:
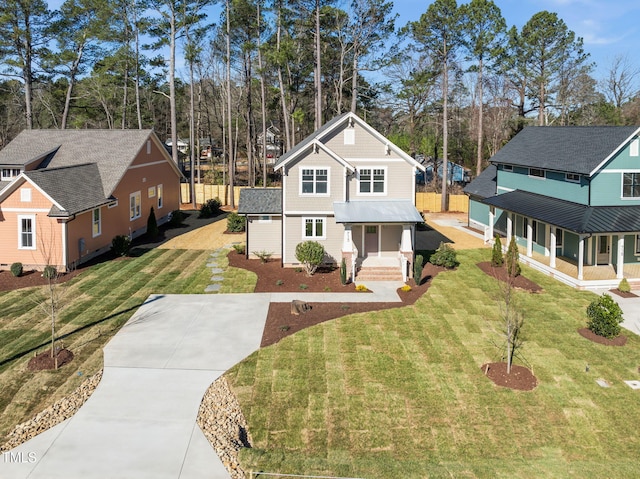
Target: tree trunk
{"x":445,"y":132}
{"x":232,"y":201}
{"x":318,"y":70}
{"x":354,"y":83}
{"x":480,"y":117}
{"x":137,"y":74}
{"x":172,"y":88}
{"x":263,"y":107}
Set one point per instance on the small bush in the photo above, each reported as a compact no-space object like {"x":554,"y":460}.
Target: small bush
{"x":418,"y":265}
{"x":311,"y":255}
{"x":264,"y":256}
{"x":512,"y":259}
{"x":604,"y":316}
{"x":279,"y":282}
{"x":445,"y":256}
{"x":50,"y":272}
{"x":16,"y":269}
{"x":327,"y":288}
{"x":361,"y":288}
{"x":235,"y":223}
{"x":210,"y":208}
{"x":497,"y":260}
{"x":406,"y":288}
{"x":239,"y":248}
{"x":624,"y":286}
{"x":120,"y":245}
{"x":176,"y":218}
{"x":303,"y":287}
{"x":343,"y":272}
{"x":152,"y":225}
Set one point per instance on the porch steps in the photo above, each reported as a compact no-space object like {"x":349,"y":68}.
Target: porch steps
{"x":378,"y":273}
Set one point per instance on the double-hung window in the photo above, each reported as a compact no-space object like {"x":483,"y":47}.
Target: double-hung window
{"x":631,"y":185}
{"x":135,"y":208}
{"x":160,"y":197}
{"x":371,"y":180}
{"x":314,"y":181}
{"x":314,"y":228}
{"x":26,"y":232}
{"x":96,"y":223}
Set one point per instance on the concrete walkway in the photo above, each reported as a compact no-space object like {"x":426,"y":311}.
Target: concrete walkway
{"x":140,"y":421}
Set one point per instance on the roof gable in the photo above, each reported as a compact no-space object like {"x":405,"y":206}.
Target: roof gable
{"x":570,"y":149}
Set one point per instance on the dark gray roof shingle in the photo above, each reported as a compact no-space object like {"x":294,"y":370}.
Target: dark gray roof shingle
{"x":484,"y":185}
{"x":572,"y":149}
{"x":263,"y":201}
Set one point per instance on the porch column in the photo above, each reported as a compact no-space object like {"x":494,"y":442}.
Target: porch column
{"x":552,"y":246}
{"x":509,"y":228}
{"x":348,"y":252}
{"x":620,"y":260}
{"x":529,"y":238}
{"x":581,"y":258}
{"x":406,"y":251}
{"x":492,"y":217}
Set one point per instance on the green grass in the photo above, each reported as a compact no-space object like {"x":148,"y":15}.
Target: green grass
{"x":97,"y":303}
{"x":400,"y":393}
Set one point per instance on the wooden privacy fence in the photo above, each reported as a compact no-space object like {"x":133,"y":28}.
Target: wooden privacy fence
{"x":424,"y":201}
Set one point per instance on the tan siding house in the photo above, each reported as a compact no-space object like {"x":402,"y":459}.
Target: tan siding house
{"x":349,"y":188}
{"x":77,"y":190}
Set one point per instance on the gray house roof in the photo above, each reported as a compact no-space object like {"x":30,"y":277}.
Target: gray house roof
{"x":484,"y":185}
{"x":376,"y":211}
{"x":73,"y":188}
{"x":260,"y":201}
{"x":570,"y":216}
{"x":570,"y":149}
{"x":111,"y":150}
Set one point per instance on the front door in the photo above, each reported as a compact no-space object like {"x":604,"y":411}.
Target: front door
{"x":371,"y":240}
{"x":602,"y":253}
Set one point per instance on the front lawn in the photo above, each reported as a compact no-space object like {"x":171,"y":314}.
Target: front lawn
{"x":400,"y":393}
{"x":99,"y":302}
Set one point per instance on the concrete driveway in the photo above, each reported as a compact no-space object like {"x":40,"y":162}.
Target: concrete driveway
{"x":140,"y":421}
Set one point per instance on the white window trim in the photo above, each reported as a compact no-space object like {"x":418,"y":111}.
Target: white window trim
{"x":314,"y":219}
{"x":132,"y":207}
{"x":25,"y":195}
{"x":33,"y":231}
{"x":627,"y":198}
{"x":315,"y":168}
{"x":160,"y":192}
{"x":572,"y":180}
{"x":13,"y":173}
{"x":544,"y":174}
{"x":372,"y":193}
{"x":93,"y":222}
{"x":634,"y":148}
{"x":264,"y":221}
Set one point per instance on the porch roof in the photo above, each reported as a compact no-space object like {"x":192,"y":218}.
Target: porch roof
{"x":567,"y":215}
{"x":376,"y":211}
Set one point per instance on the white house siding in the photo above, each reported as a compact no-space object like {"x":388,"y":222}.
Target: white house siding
{"x":294,"y":201}
{"x":390,"y":240}
{"x":265,"y":236}
{"x":294,"y":235}
{"x":365,"y":145}
{"x":399,"y":178}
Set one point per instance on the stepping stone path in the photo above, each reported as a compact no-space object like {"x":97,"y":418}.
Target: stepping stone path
{"x":216,"y":271}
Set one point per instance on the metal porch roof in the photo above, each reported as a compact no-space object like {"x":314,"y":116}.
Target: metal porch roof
{"x":376,"y":211}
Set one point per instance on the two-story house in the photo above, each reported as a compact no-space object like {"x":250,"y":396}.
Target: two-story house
{"x":345,"y":186}
{"x":571,"y":197}
{"x":66,"y":194}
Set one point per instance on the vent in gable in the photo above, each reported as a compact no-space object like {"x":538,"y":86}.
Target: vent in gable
{"x":349,"y":136}
{"x":634,"y":149}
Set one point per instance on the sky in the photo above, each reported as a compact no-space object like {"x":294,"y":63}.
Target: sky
{"x":609,"y":28}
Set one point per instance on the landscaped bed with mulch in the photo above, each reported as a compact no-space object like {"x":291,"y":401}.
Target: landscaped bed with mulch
{"x":273,"y":278}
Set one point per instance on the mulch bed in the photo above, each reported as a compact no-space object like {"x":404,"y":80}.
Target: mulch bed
{"x":44,"y":361}
{"x":9,"y":282}
{"x":281,"y":323}
{"x":520,"y":378}
{"x":620,"y":340}
{"x":500,"y":273}
{"x":623,"y":294}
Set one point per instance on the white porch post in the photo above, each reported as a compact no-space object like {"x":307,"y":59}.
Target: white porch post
{"x":552,"y":246}
{"x":620,"y":260}
{"x":581,"y":258}
{"x":509,"y":228}
{"x":348,"y":251}
{"x":529,"y":238}
{"x":406,"y":251}
{"x":492,"y":217}
{"x":347,"y":244}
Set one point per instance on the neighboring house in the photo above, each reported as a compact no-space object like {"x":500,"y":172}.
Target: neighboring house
{"x":571,"y":198}
{"x":274,"y":144}
{"x":347,"y":187}
{"x":68,"y":193}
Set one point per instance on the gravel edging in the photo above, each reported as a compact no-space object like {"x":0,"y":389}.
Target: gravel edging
{"x":224,"y":425}
{"x":60,"y":410}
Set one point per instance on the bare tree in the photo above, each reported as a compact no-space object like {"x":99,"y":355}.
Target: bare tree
{"x":620,"y":84}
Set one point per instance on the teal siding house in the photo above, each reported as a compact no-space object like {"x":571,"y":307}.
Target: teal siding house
{"x":571,"y":198}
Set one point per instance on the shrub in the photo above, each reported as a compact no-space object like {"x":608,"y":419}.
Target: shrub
{"x":210,"y":208}
{"x":279,"y":282}
{"x":120,"y":245}
{"x":235,"y":223}
{"x":624,"y":287}
{"x":263,"y":255}
{"x":604,"y":316}
{"x":445,"y":256}
{"x":417,"y":269}
{"x":303,"y":286}
{"x":497,"y":259}
{"x":406,"y":288}
{"x":176,"y":218}
{"x":343,"y":272}
{"x":50,"y":272}
{"x":152,"y":225}
{"x":361,"y":288}
{"x":512,"y":259}
{"x":310,"y":254}
{"x":16,"y":269}
{"x":239,"y":248}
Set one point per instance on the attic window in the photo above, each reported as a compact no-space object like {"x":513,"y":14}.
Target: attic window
{"x":350,"y":136}
{"x":25,"y":195}
{"x":572,"y":177}
{"x":10,"y":173}
{"x":634,"y":149}
{"x":536,"y":172}
{"x":507,"y":167}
